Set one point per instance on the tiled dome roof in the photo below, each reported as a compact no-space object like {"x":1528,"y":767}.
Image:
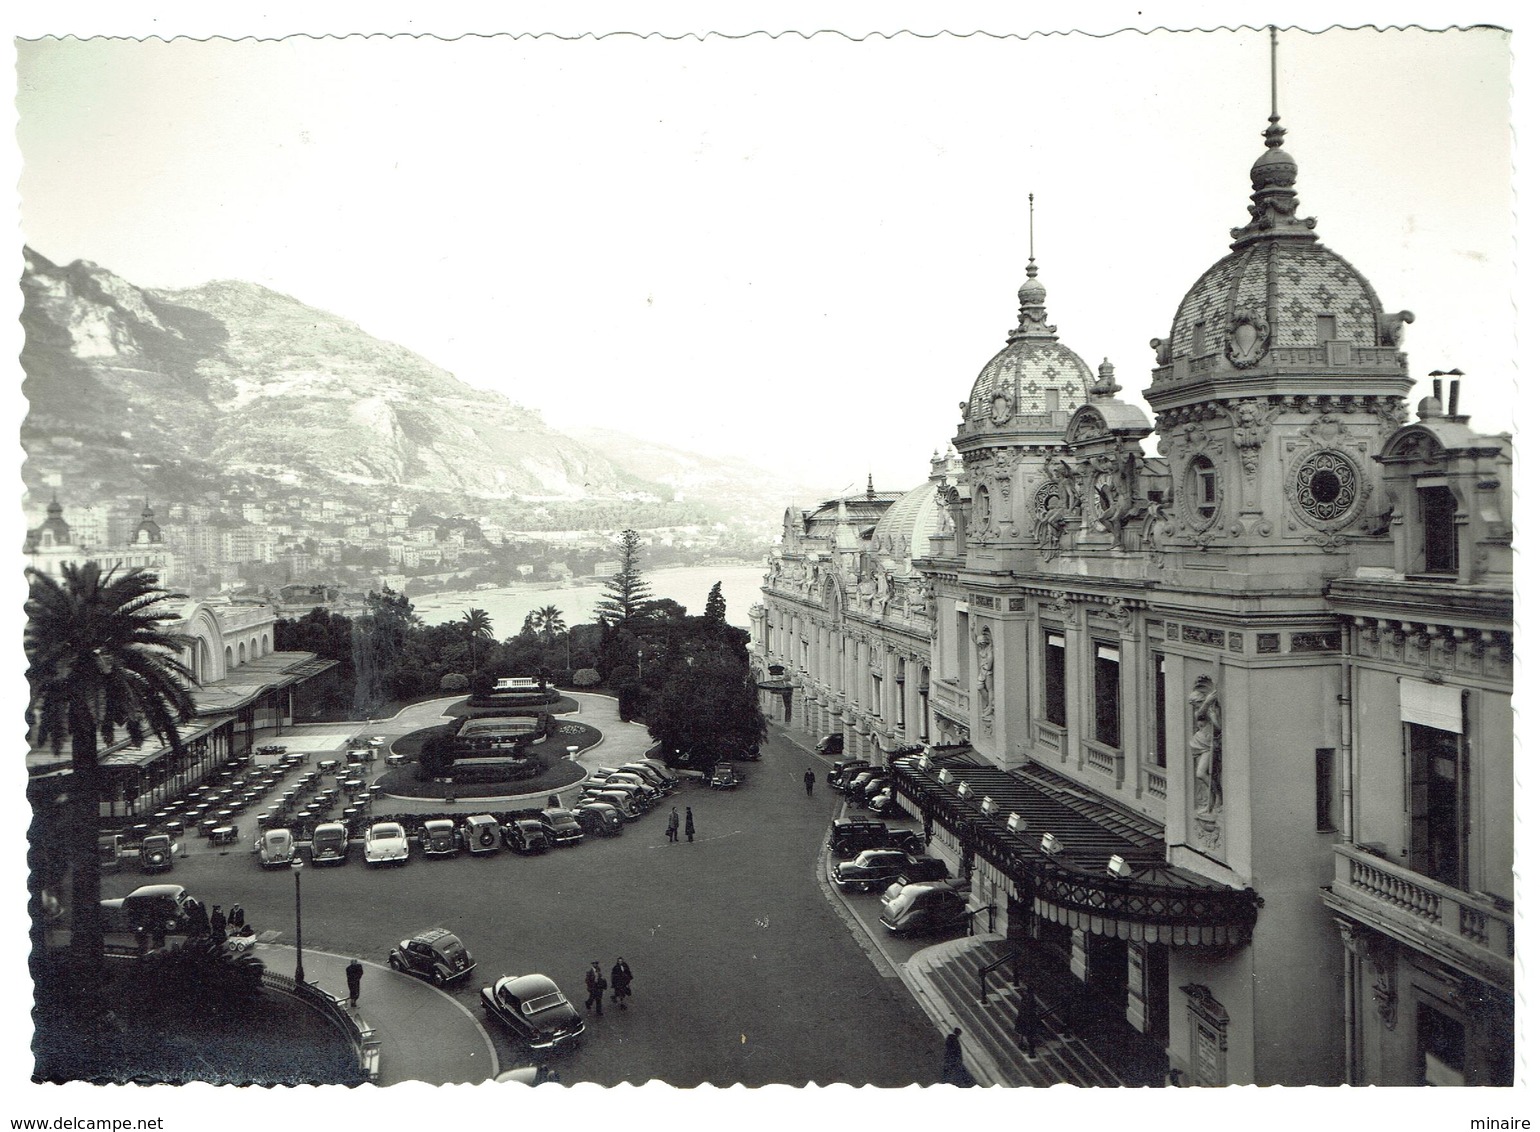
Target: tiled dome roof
{"x":1277,"y":281}
{"x":1017,"y":379}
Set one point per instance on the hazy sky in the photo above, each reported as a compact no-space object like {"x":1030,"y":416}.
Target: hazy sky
{"x":799,"y":251}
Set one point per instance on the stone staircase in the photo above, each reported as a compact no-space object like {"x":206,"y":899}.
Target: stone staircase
{"x":945,"y":980}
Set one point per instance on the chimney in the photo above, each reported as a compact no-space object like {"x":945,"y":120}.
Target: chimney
{"x":1438,"y":391}
{"x":1454,"y":393}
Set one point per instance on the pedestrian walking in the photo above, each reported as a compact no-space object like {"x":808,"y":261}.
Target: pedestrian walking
{"x":951,"y":1058}
{"x":237,"y":919}
{"x":673,"y":825}
{"x":620,"y":982}
{"x":689,"y":824}
{"x":594,"y":977}
{"x":217,"y":925}
{"x":355,"y":980}
{"x":808,"y":779}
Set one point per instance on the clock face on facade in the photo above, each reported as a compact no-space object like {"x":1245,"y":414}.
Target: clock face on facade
{"x":1326,"y":487}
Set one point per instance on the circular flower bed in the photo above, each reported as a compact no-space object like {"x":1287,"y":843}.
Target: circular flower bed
{"x":557,"y":770}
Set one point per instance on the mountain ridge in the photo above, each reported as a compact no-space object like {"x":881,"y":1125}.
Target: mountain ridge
{"x":129,"y":384}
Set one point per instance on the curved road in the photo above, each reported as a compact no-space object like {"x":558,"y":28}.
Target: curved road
{"x":746,"y":972}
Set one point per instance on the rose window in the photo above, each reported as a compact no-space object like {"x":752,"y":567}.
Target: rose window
{"x":1326,"y":486}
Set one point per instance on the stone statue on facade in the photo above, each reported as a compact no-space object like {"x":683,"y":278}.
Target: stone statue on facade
{"x":1205,"y":744}
{"x":985,"y":644}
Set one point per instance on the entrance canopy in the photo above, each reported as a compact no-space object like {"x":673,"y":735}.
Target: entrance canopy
{"x":1059,"y":843}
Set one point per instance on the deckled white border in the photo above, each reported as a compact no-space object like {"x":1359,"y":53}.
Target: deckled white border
{"x":403,"y":1106}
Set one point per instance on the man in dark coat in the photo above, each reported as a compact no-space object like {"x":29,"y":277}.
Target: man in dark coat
{"x":673,"y":824}
{"x":689,"y":824}
{"x":951,"y":1059}
{"x":620,"y":982}
{"x":594,"y":978}
{"x":217,"y":925}
{"x":808,"y":779}
{"x":355,"y":981}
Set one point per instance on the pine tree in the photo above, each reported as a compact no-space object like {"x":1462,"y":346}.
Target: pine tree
{"x":716,"y":606}
{"x":629,"y":596}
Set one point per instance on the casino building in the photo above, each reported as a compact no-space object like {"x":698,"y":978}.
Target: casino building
{"x":1208,"y":698}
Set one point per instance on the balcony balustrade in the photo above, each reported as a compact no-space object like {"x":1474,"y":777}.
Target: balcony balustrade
{"x":1464,"y":928}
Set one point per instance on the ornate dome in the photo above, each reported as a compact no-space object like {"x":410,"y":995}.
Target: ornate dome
{"x":1279,"y":288}
{"x":1034,"y":374}
{"x":903,"y":533}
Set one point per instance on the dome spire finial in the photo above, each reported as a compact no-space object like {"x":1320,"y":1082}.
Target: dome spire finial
{"x":1032,"y":295}
{"x":1273,"y":135}
{"x":1273,"y":200}
{"x":1031,"y":234}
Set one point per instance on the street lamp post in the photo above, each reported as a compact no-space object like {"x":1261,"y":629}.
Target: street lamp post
{"x":299,"y":939}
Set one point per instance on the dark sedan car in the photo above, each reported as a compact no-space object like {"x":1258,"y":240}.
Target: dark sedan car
{"x":436,"y":955}
{"x":917,"y":909}
{"x":876,"y":868}
{"x":561,"y":827}
{"x":526,"y":835}
{"x":598,"y":819}
{"x":534,"y":1009}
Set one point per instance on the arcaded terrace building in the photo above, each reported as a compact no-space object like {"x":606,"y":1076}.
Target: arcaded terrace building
{"x":1218,"y":691}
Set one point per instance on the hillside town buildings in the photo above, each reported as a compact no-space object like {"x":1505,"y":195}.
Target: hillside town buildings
{"x":1208,"y":698}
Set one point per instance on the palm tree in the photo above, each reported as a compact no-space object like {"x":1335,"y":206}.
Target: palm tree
{"x":550,"y":621}
{"x":98,"y":661}
{"x":478,"y":627}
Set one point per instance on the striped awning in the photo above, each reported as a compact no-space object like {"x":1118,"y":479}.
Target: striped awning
{"x":1002,"y":817}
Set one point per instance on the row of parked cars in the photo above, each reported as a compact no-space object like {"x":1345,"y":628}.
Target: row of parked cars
{"x":918,"y":895}
{"x":865,"y":785}
{"x":611,"y":797}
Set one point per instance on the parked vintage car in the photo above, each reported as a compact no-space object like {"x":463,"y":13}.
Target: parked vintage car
{"x":670,"y":779}
{"x":151,"y":907}
{"x":480,"y":833}
{"x":876,"y":868}
{"x":884,"y":805}
{"x":561,"y":826}
{"x":598,"y":819}
{"x":385,"y":843}
{"x":646,"y":793}
{"x":534,"y":1010}
{"x":155,"y":853}
{"x":724,"y":777}
{"x":525,"y":835}
{"x":650,"y":775}
{"x":329,"y":844}
{"x":438,"y":838}
{"x":109,"y":852}
{"x":838,"y":767}
{"x":275,"y":848}
{"x":848,"y":836}
{"x":831,"y":744}
{"x":639,"y":800}
{"x":918,"y":909}
{"x":436,"y":955}
{"x":622,"y":802}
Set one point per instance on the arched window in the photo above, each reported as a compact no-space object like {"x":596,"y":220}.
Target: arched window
{"x":240,"y":655}
{"x":229,"y":657}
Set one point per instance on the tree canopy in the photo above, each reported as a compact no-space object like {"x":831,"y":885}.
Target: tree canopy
{"x":99,"y":662}
{"x":629,"y":597}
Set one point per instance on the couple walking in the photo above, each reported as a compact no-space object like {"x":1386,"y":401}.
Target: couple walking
{"x":689,"y":824}
{"x":619,"y":983}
